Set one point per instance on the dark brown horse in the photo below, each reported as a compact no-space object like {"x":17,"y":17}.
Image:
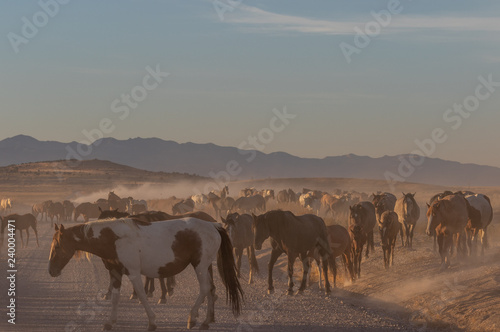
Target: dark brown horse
{"x":448,"y":217}
{"x":363,"y":215}
{"x":239,"y":228}
{"x":221,"y":203}
{"x":408,"y":214}
{"x":22,"y":222}
{"x":383,"y":202}
{"x":358,"y":240}
{"x":87,"y":210}
{"x":297,"y":236}
{"x":389,"y":227}
{"x":250,"y":204}
{"x":480,"y":217}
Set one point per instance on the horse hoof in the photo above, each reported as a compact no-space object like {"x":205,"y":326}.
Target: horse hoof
{"x":151,"y":327}
{"x":299,"y":292}
{"x":133,"y":297}
{"x":106,"y":297}
{"x":191,"y":324}
{"x":107,"y":327}
{"x":270,"y":291}
{"x":204,"y":326}
{"x":150,"y":294}
{"x":170,"y":292}
{"x":162,"y":301}
{"x":289,"y":292}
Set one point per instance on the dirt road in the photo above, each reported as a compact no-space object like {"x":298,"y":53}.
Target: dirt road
{"x":380,"y":301}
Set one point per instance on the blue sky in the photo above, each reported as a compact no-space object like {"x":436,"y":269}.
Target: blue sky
{"x":226,"y":76}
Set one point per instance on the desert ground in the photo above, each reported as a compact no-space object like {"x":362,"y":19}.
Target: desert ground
{"x":411,"y":296}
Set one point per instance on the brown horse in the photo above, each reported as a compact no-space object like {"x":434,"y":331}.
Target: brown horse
{"x":22,"y":222}
{"x":383,"y":202}
{"x":340,"y":245}
{"x":363,"y":214}
{"x":87,"y":210}
{"x":389,"y":227}
{"x":182,"y":207}
{"x":56,"y":210}
{"x":448,"y":217}
{"x":69,"y":208}
{"x":239,"y":228}
{"x":408,"y":214}
{"x":297,"y":236}
{"x":250,"y":204}
{"x":358,"y":240}
{"x":480,"y":217}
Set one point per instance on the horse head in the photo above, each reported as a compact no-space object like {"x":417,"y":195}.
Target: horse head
{"x":260,"y":230}
{"x":434,"y":216}
{"x":61,"y":250}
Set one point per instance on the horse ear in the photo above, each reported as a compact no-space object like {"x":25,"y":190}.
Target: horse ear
{"x":254,"y":216}
{"x":428,"y":205}
{"x":414,"y":194}
{"x":403,"y":193}
{"x":116,"y":210}
{"x":56,"y":227}
{"x":100,"y":209}
{"x":61,"y":228}
{"x":223,"y":220}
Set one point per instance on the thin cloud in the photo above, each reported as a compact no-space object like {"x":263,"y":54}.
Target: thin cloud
{"x":258,"y":20}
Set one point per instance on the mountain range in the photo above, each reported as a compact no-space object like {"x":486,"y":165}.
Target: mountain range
{"x":154,"y":154}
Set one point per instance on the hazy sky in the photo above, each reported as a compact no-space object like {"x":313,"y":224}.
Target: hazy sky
{"x":226,"y":76}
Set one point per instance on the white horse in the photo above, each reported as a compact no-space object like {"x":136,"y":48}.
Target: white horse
{"x":160,"y":249}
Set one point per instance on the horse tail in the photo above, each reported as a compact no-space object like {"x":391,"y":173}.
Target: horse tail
{"x":227,"y":271}
{"x":254,"y":265}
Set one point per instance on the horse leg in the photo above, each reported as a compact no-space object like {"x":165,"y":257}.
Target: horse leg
{"x":385,"y":250}
{"x":275,"y":254}
{"x":27,"y":236}
{"x":250,"y":264}
{"x":203,"y":277}
{"x":170,"y":285}
{"x":107,"y":296}
{"x":150,"y":287}
{"x":116,"y":284}
{"x":239,"y":254}
{"x":22,"y":241}
{"x":291,"y":261}
{"x":136,"y":280}
{"x":36,"y":235}
{"x":305,"y":272}
{"x":372,"y":242}
{"x":329,"y":260}
{"x":163,"y":298}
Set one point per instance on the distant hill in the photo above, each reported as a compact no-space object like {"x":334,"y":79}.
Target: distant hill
{"x":154,"y":154}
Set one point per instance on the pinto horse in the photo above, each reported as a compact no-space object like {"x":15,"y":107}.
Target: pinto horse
{"x":297,"y":236}
{"x":448,"y":217}
{"x":150,"y":216}
{"x":159,"y":249}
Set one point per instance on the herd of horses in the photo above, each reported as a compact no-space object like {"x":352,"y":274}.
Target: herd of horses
{"x":135,"y":242}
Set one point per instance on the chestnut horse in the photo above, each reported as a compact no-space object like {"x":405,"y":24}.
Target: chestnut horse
{"x":159,"y":249}
{"x":297,"y":236}
{"x":448,"y":217}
